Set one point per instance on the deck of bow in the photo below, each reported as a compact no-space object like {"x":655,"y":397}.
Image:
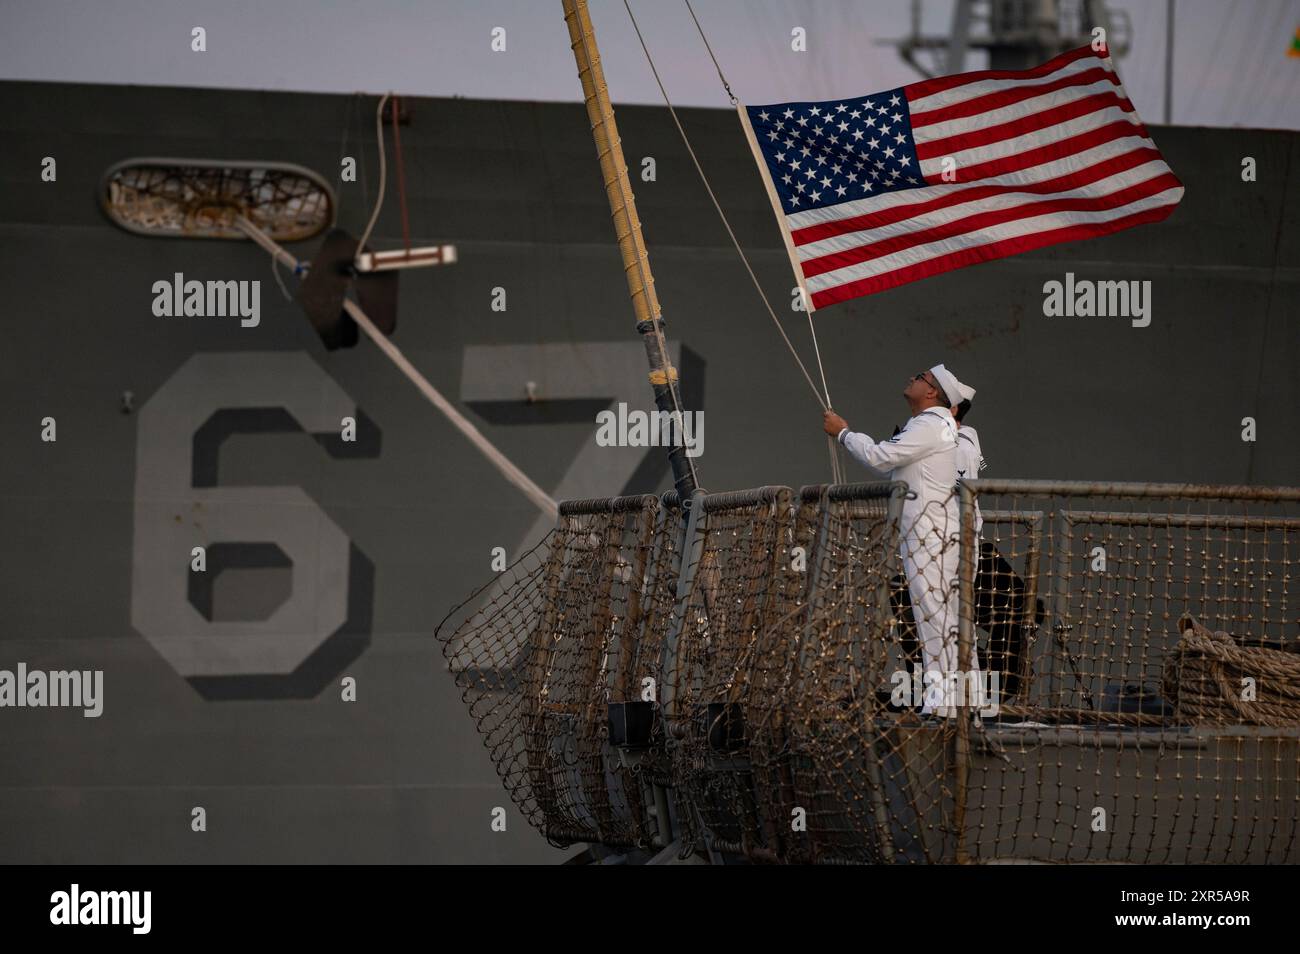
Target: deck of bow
{"x":723,"y":677}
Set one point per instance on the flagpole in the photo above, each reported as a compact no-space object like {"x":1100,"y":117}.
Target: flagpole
{"x":627,"y":226}
{"x":832,"y":445}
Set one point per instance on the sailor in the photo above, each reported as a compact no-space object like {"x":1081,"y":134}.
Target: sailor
{"x":924,"y":456}
{"x":970,"y":460}
{"x":1000,"y":594}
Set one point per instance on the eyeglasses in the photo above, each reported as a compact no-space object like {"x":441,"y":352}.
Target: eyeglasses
{"x":921,"y":376}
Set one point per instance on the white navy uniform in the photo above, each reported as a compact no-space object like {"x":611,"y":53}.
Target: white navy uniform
{"x":970,"y":462}
{"x":924,"y":455}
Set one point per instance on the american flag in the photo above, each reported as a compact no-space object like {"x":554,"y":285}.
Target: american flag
{"x":881,"y":190}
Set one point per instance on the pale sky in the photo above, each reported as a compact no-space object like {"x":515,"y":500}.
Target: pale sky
{"x":1230,"y":62}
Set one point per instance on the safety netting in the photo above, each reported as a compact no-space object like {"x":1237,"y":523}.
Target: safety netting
{"x":1032,"y":671}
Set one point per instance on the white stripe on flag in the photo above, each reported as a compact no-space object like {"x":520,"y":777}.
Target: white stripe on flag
{"x":1006,"y":200}
{"x":986,"y":236}
{"x":1021,"y":177}
{"x":1006,"y":114}
{"x":1039,"y":137}
{"x":959,"y":94}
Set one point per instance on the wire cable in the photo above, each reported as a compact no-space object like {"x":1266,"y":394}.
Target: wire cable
{"x":725,"y":84}
{"x":825,"y":402}
{"x":734,"y":241}
{"x":379,"y":200}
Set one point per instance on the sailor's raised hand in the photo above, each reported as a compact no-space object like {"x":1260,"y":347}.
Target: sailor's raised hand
{"x":832,"y":423}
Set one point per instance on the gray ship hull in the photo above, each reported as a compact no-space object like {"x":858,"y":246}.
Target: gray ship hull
{"x":378,"y":539}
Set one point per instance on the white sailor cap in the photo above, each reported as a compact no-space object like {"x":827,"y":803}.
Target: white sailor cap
{"x":954,"y":389}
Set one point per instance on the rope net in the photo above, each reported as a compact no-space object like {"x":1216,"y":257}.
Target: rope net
{"x":1159,"y":698}
{"x":796,"y":677}
{"x":724,"y":661}
{"x":183,"y":199}
{"x":546,"y":647}
{"x":873,"y":786}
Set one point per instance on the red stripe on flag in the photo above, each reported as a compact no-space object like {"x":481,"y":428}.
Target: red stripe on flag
{"x":1008,"y":97}
{"x":985,"y":253}
{"x":1119,"y":129}
{"x":939,"y":84}
{"x":1019,"y":127}
{"x":983,"y":220}
{"x":1073,"y":180}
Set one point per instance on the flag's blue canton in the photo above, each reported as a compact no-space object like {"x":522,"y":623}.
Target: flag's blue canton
{"x":821,"y":154}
